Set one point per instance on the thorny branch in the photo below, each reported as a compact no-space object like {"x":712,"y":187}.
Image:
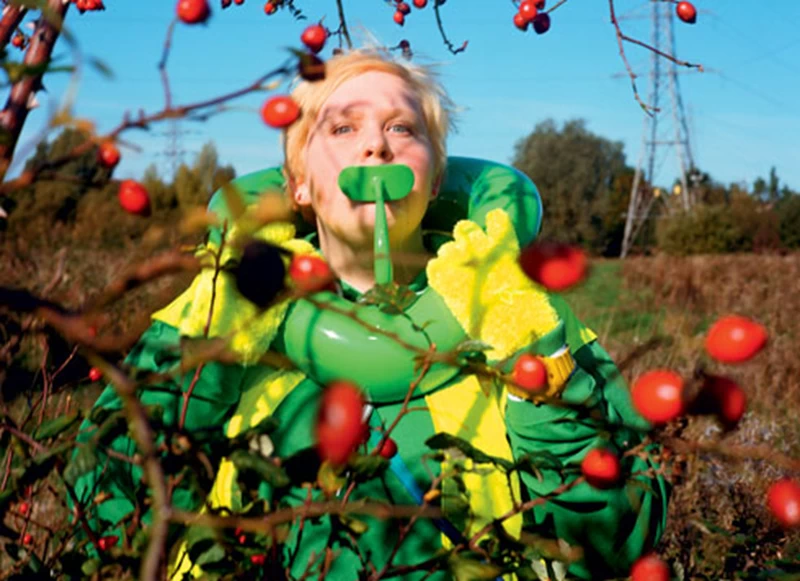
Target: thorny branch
{"x":621,"y":38}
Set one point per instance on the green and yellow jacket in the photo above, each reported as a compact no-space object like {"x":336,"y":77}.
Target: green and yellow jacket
{"x":472,"y":296}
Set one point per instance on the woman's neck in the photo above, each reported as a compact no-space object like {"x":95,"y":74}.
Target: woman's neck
{"x":355,"y":266}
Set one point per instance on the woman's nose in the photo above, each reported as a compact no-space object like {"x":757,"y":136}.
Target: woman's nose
{"x":376,"y":147}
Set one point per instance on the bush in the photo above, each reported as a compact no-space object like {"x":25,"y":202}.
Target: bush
{"x":788,"y":210}
{"x":742,"y":225}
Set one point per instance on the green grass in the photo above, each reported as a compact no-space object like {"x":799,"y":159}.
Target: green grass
{"x":614,"y":312}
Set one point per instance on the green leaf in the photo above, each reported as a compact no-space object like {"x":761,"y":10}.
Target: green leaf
{"x":392,"y":298}
{"x":269,"y":472}
{"x":114,"y":424}
{"x":84,"y":461}
{"x":535,"y":462}
{"x":443,"y":441}
{"x":90,"y":567}
{"x":471,"y":345}
{"x":358,"y":527}
{"x":469,"y":570}
{"x":329,"y":478}
{"x":367,"y":467}
{"x":52,"y":428}
{"x":13,"y":550}
{"x":6,"y":497}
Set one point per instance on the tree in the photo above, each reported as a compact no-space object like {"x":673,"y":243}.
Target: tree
{"x":578,"y":173}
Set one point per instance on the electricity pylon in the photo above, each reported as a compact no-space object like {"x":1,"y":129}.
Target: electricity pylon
{"x":643,"y":192}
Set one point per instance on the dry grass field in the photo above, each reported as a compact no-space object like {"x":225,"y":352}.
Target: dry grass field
{"x":656,"y":308}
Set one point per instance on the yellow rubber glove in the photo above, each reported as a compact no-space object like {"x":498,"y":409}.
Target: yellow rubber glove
{"x":480,"y":280}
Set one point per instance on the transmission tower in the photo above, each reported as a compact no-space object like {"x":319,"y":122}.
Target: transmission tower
{"x":173,"y":153}
{"x":656,"y":124}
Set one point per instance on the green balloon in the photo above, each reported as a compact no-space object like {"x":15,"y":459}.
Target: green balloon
{"x":329,"y":337}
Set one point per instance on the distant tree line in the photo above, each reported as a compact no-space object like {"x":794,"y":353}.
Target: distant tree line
{"x":586,"y":183}
{"x":584,"y":180}
{"x":78,"y":204}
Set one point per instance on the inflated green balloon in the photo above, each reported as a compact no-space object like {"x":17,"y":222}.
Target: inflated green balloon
{"x":330,"y":337}
{"x":378,"y":184}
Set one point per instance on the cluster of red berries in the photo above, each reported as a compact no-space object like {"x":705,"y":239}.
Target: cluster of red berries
{"x":402,"y":10}
{"x":226,"y":3}
{"x":529,"y":13}
{"x":660,"y":395}
{"x":88,"y":5}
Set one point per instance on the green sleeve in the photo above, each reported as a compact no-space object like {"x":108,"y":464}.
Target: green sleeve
{"x":613,"y":527}
{"x":212,"y":401}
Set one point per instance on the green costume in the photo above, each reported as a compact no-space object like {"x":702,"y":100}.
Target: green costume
{"x":473,"y":290}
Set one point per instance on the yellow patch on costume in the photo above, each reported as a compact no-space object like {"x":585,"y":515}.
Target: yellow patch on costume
{"x":465,"y":411}
{"x":249,"y":330}
{"x":481,"y":282}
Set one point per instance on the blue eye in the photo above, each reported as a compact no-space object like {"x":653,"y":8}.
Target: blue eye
{"x":400,"y":128}
{"x":342,"y":129}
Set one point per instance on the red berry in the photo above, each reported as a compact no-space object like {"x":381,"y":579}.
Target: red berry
{"x":311,"y":273}
{"x":541,"y":23}
{"x":105,"y":543}
{"x":399,"y":18}
{"x":280,"y":111}
{"x":649,"y":568}
{"x":686,"y":12}
{"x":340,"y":427}
{"x":270,"y":8}
{"x":420,"y":3}
{"x":193,"y":11}
{"x":18,"y":41}
{"x":242,"y":539}
{"x":389,"y":449}
{"x":723,"y":397}
{"x":258,"y":560}
{"x":95,"y":374}
{"x":553,"y":265}
{"x":658,"y":395}
{"x":403,"y":7}
{"x":314,"y":37}
{"x":735,"y":339}
{"x":530,"y":373}
{"x":520,"y":22}
{"x":783,"y":499}
{"x":108,"y":155}
{"x":133,"y":198}
{"x":601,"y":467}
{"x":24,"y":508}
{"x":27,"y":539}
{"x":238,"y":2}
{"x":527,"y":8}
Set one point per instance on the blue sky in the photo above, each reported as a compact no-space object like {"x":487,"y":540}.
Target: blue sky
{"x":744,"y":114}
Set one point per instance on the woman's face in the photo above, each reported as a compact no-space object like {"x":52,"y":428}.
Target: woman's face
{"x":371,"y":119}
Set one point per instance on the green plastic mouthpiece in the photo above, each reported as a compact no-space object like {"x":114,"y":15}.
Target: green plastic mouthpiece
{"x":378,"y":184}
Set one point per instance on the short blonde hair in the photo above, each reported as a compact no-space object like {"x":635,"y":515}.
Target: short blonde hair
{"x":436,"y":105}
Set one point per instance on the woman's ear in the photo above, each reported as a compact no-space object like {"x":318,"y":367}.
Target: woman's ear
{"x":301,"y":194}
